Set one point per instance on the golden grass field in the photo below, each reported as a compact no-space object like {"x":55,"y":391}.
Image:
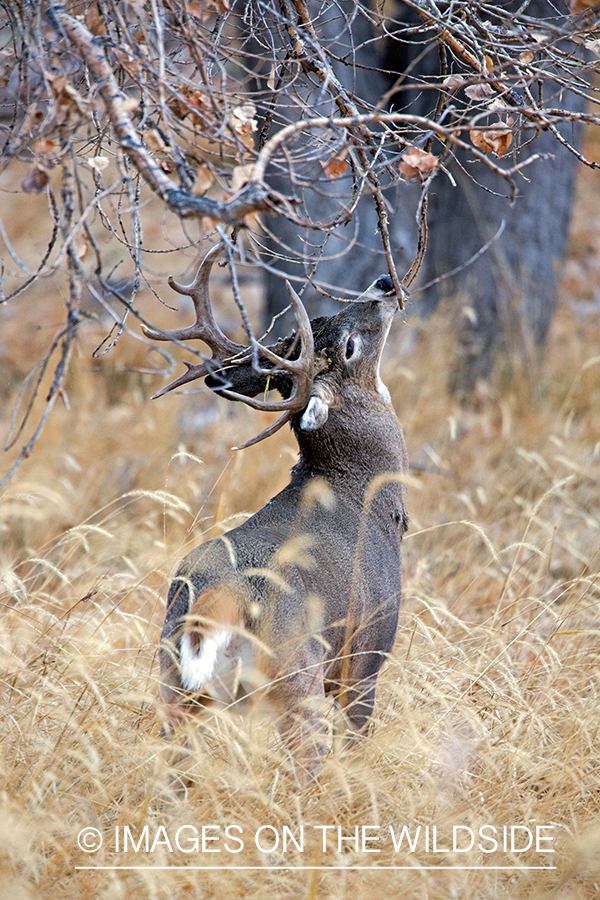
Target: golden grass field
{"x":488,"y":712}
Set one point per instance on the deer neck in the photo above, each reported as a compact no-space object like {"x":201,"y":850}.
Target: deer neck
{"x":359,"y":441}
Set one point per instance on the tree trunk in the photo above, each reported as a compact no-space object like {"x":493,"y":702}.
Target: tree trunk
{"x":508,"y":294}
{"x":351,"y":256}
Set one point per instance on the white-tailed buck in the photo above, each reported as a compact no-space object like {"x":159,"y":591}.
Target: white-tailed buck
{"x":302,"y":599}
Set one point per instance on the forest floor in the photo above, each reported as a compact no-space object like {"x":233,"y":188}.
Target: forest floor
{"x":488,"y":712}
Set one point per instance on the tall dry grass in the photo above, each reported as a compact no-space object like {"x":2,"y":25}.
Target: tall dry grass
{"x":488,"y":711}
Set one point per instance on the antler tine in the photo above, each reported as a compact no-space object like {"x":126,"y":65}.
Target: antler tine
{"x":302,"y":369}
{"x":193,"y":373}
{"x":267,"y":431}
{"x":205,"y":327}
{"x":305,"y":364}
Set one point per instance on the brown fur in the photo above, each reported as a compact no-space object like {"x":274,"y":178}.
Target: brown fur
{"x":314,"y":577}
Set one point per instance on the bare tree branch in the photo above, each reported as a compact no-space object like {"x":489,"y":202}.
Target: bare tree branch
{"x":240,"y":121}
{"x":251,"y":198}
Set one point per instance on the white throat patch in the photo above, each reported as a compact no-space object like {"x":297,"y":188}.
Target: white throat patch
{"x":314,"y":415}
{"x":381,"y":388}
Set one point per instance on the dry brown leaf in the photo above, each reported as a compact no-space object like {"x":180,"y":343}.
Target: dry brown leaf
{"x":500,"y":141}
{"x":198,"y":9}
{"x":241,"y":119}
{"x":98,"y":163}
{"x":479,"y":140}
{"x":336,"y":166}
{"x":240,"y":175}
{"x":80,"y":246}
{"x":495,"y":140}
{"x":36,"y":179}
{"x":193,"y":101}
{"x":195,"y":108}
{"x":272,"y":79}
{"x":526,"y":57}
{"x":128,"y":63}
{"x":453,"y":82}
{"x":202,"y":9}
{"x":68,"y":99}
{"x":94,"y":21}
{"x":577,"y":6}
{"x":154,"y":141}
{"x":478,"y":91}
{"x":204,"y":179}
{"x":416,"y":161}
{"x":44,"y":147}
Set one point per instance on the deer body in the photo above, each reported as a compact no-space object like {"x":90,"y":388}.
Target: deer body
{"x":302,"y":599}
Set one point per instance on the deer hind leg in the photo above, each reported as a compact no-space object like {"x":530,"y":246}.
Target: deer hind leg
{"x":200,"y":648}
{"x":178,"y":754}
{"x":356,"y":702}
{"x":299,"y":702}
{"x":355,"y":688}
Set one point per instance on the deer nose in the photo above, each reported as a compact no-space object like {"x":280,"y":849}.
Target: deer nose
{"x":384,"y":284}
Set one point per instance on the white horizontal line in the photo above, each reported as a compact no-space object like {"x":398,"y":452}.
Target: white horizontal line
{"x":315,"y":868}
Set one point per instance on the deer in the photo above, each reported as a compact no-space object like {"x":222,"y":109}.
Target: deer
{"x":301,"y":601}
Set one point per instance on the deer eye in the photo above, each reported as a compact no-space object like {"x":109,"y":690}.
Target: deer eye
{"x":353,"y":345}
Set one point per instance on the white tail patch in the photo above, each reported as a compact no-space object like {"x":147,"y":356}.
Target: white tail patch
{"x":198,"y":667}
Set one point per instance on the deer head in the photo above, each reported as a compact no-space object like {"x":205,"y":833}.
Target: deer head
{"x":306,"y":367}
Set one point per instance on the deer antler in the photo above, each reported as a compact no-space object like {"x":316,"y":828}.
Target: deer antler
{"x":302,"y":371}
{"x":204,"y":328}
{"x":228,"y":354}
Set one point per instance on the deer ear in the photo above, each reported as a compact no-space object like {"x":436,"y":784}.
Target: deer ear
{"x":315,"y":414}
